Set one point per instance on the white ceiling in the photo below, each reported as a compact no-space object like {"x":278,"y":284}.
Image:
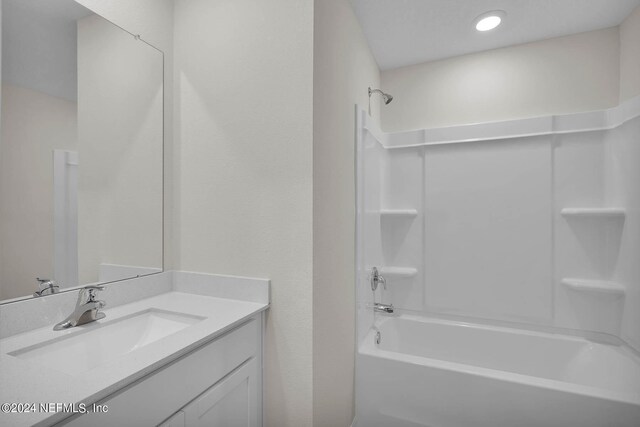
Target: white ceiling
{"x":406,"y":32}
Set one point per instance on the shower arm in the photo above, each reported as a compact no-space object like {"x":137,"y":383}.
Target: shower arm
{"x":385,"y":96}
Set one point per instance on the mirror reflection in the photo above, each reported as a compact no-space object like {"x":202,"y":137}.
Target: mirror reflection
{"x":80,"y":150}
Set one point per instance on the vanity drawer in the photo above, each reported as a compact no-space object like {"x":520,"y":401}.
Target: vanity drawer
{"x":154,"y":398}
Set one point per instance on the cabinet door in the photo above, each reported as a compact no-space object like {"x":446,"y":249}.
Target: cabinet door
{"x":176,"y":420}
{"x":232,"y":402}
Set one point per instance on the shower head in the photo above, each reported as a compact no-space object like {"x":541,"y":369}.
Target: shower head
{"x":385,"y":96}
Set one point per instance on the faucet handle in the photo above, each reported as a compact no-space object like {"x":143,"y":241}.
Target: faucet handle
{"x":88,"y":293}
{"x":377,"y":279}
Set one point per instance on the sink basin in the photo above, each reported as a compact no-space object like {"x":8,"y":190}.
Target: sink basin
{"x":97,"y":343}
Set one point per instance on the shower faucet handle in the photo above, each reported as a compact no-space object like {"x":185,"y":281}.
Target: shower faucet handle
{"x":377,"y":279}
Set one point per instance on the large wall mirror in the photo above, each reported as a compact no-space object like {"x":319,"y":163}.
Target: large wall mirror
{"x":81,"y":150}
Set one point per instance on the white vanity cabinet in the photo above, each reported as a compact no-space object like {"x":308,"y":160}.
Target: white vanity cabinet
{"x":227,"y":404}
{"x":217,"y":384}
{"x":230,"y":403}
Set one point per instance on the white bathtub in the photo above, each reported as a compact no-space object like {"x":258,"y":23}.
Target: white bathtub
{"x":437,"y":373}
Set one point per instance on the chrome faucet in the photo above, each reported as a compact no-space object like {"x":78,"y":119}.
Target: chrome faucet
{"x":383,"y":308}
{"x":376,"y":279}
{"x":46,"y":287}
{"x":87,"y":309}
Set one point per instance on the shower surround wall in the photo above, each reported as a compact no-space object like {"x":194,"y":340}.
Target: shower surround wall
{"x":501,"y":227}
{"x":481,"y":232}
{"x":622,"y":174}
{"x":591,"y":71}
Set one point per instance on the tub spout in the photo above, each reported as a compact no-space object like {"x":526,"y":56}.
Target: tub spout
{"x":383,"y":308}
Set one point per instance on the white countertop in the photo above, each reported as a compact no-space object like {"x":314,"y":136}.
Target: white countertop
{"x":22,"y":381}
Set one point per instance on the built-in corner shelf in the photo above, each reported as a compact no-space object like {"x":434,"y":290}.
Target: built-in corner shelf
{"x":599,"y":286}
{"x":398,"y":272}
{"x":399,"y":213}
{"x":613,"y":213}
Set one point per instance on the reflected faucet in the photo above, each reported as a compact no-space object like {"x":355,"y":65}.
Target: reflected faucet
{"x":87,"y":309}
{"x":45,"y":287}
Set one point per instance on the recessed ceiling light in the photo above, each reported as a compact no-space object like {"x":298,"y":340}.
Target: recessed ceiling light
{"x":490,"y":20}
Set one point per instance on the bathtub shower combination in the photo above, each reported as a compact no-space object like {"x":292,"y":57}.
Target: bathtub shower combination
{"x":508,"y":253}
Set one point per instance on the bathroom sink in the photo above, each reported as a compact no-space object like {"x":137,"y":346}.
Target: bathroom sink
{"x":97,"y":343}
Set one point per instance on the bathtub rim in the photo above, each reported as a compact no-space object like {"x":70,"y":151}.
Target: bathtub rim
{"x":368,"y":348}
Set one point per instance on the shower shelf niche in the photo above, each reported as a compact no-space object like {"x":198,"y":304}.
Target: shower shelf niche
{"x":398,"y":272}
{"x":599,"y":286}
{"x":612,"y":213}
{"x":399,"y":213}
